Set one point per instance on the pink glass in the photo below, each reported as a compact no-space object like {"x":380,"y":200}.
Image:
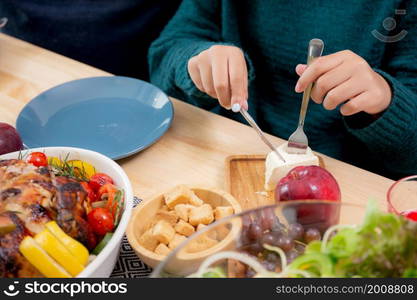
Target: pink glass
{"x":402,"y":196}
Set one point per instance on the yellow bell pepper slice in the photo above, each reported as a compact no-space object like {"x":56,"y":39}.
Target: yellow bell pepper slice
{"x":54,"y":161}
{"x":57,"y":251}
{"x":83,"y":167}
{"x":74,"y":247}
{"x":41,"y":260}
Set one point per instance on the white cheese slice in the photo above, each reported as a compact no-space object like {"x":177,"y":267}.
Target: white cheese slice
{"x":275,"y":168}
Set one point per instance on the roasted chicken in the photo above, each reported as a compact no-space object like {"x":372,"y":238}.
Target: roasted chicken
{"x":71,"y":215}
{"x":12,"y":263}
{"x":28,"y":191}
{"x":32,"y":196}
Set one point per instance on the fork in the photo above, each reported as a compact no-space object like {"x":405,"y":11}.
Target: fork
{"x":298,"y":142}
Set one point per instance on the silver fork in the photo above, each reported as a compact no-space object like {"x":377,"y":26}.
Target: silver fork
{"x":298,"y":142}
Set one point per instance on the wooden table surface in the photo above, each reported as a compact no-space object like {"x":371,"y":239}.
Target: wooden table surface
{"x":194,"y":149}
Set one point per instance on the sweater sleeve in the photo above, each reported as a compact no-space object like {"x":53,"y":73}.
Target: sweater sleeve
{"x":193,"y":29}
{"x":392,"y":138}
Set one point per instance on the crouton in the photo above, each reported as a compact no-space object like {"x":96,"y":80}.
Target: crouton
{"x":222,"y":211}
{"x":201,"y":243}
{"x":148,"y":241}
{"x":163,"y":232}
{"x":162,"y":249}
{"x":201,"y":226}
{"x":201,"y":215}
{"x":183,"y":211}
{"x":178,"y":239}
{"x":184,"y":228}
{"x":194,"y":200}
{"x":169,"y":216}
{"x":181,"y":195}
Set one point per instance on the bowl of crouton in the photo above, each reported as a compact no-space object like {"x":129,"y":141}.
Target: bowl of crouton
{"x":166,"y":221}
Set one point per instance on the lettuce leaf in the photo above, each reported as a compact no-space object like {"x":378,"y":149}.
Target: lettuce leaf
{"x":384,"y":245}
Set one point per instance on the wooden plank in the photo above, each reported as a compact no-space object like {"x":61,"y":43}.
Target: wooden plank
{"x":245,"y":179}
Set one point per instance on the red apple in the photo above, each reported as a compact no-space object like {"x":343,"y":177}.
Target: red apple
{"x":311,"y":183}
{"x":10,"y":140}
{"x":308,"y":182}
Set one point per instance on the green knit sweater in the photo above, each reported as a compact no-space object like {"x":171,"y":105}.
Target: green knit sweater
{"x":274,"y":35}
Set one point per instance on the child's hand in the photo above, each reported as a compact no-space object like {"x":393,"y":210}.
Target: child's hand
{"x":345,"y":76}
{"x":221,"y":72}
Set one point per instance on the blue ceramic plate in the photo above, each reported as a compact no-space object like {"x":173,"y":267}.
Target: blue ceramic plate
{"x":116,"y":116}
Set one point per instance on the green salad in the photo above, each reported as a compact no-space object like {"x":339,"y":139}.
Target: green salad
{"x":384,"y":245}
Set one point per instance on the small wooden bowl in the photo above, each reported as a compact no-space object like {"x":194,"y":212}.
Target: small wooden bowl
{"x":143,"y":215}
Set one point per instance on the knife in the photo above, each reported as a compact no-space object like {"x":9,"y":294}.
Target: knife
{"x":258,"y":130}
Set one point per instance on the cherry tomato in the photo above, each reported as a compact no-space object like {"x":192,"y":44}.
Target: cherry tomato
{"x":91,"y":194}
{"x":37,"y":159}
{"x":101,"y":220}
{"x":410,"y":214}
{"x":98,"y":180}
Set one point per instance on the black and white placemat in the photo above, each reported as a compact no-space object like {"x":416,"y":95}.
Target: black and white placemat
{"x":129,"y":265}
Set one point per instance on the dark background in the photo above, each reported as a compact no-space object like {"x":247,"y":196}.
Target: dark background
{"x":113,"y":35}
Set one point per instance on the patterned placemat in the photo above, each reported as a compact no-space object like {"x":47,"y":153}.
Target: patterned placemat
{"x":128,"y":264}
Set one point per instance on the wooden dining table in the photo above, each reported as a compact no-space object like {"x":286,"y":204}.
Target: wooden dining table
{"x":193,"y":151}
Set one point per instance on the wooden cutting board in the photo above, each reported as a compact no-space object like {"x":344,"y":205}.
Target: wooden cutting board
{"x":245,"y":179}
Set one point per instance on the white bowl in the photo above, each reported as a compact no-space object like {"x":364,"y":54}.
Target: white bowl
{"x":103,"y":264}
